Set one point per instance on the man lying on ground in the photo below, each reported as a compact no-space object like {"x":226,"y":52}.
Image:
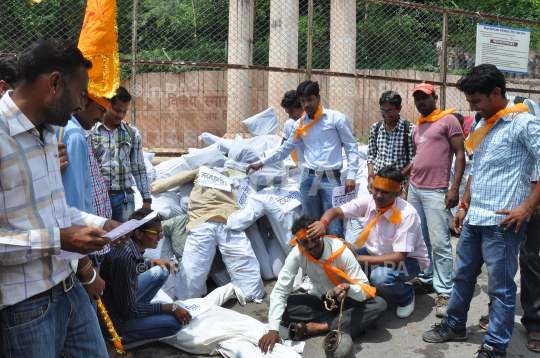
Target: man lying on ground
{"x":394,"y":250}
{"x":132,"y":283}
{"x":306,"y":314}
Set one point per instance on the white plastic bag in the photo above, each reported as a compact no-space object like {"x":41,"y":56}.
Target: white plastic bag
{"x":209,"y":139}
{"x":265,"y":122}
{"x":170,"y":167}
{"x":167,"y":204}
{"x":183,"y":194}
{"x":210,"y":156}
{"x":242,"y":151}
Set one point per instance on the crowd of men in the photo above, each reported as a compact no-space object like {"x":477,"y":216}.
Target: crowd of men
{"x":69,"y":162}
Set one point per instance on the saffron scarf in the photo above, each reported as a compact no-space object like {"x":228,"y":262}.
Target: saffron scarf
{"x":434,"y":116}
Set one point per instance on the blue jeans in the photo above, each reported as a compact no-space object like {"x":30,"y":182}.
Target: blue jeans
{"x":317,"y":199}
{"x":120,"y":211}
{"x":499,"y":250}
{"x":58,"y":324}
{"x":150,"y":327}
{"x":390,"y":282}
{"x":429,"y":203}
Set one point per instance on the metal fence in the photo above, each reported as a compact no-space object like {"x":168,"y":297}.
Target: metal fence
{"x":198,"y":66}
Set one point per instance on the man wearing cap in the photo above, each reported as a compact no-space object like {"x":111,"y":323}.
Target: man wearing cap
{"x":437,"y":137}
{"x":394,"y":250}
{"x":323,"y":131}
{"x":333,"y":272}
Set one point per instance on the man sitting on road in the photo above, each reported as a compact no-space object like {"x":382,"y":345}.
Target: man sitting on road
{"x":395,"y":251}
{"x":306,"y":313}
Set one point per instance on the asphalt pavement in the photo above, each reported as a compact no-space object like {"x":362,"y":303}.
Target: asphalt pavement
{"x":391,"y":337}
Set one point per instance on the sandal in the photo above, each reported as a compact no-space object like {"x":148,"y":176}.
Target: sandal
{"x":296,"y":331}
{"x":532,"y":339}
{"x":484,"y":322}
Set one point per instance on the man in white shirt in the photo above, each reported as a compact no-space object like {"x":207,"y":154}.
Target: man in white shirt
{"x":322,"y":131}
{"x":394,"y":250}
{"x":306,"y":313}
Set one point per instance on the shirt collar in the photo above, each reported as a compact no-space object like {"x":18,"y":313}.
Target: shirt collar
{"x":306,"y":117}
{"x":373,"y":207}
{"x":327,"y":251}
{"x":17,"y":121}
{"x":132,"y":246}
{"x":122,"y":126}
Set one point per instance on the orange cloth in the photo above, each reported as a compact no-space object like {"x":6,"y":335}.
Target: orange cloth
{"x":300,"y":129}
{"x":294,"y":157}
{"x":328,"y":269}
{"x":387,"y":184}
{"x":395,"y":219}
{"x":98,"y":43}
{"x":101,"y":100}
{"x":435,"y":116}
{"x":476,"y":137}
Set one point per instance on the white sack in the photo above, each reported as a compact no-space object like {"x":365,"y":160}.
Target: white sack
{"x":242,"y":151}
{"x":170,"y":167}
{"x":262,"y":203}
{"x":167,"y":204}
{"x":265,"y":122}
{"x":138,"y":197}
{"x":150,"y":171}
{"x":183,"y":194}
{"x":149,"y":156}
{"x":210,"y":156}
{"x":209,"y":139}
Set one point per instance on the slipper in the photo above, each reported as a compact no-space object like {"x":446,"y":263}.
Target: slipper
{"x":484,"y":322}
{"x":296,"y":331}
{"x":532,"y":339}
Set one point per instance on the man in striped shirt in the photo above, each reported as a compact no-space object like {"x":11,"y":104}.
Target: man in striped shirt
{"x":44,"y":310}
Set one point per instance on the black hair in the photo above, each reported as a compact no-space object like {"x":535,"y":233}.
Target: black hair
{"x":50,"y":55}
{"x":390,"y":97}
{"x":8,"y":71}
{"x":460,"y":118}
{"x":291,"y":100}
{"x":391,"y":173}
{"x":122,"y":95}
{"x":308,"y":88}
{"x":301,"y":223}
{"x":483,"y":79}
{"x":141,"y":214}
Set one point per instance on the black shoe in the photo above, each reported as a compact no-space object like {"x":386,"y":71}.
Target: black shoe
{"x":441,"y":333}
{"x":487,"y":351}
{"x":421,"y":288}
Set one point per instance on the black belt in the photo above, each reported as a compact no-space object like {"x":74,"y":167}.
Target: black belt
{"x":64,"y":286}
{"x":322,"y":173}
{"x":120,"y":192}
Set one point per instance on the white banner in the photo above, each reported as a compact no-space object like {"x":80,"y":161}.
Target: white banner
{"x":244,"y":191}
{"x":287,"y":200}
{"x":505,"y":47}
{"x":212,"y":179}
{"x":339,"y":197}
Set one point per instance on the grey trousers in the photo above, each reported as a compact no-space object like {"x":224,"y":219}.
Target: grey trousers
{"x":357,"y":316}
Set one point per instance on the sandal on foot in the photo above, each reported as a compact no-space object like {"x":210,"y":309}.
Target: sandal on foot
{"x":532,"y":339}
{"x":297,"y":331}
{"x":484,"y":322}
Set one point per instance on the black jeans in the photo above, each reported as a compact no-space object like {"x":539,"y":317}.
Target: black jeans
{"x":529,"y":264}
{"x":356,"y":315}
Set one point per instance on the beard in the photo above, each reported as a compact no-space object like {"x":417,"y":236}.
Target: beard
{"x":59,"y":113}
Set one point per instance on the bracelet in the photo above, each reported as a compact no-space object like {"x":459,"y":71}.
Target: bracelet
{"x":463,"y":205}
{"x":326,"y":223}
{"x":371,"y":176}
{"x":174,"y":307}
{"x":85,"y":267}
{"x":463,"y":209}
{"x":91,"y":281}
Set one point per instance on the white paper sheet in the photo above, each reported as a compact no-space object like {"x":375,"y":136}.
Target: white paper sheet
{"x":213,"y":179}
{"x":194,"y":309}
{"x":244,"y":191}
{"x":287,"y":200}
{"x":339,"y":197}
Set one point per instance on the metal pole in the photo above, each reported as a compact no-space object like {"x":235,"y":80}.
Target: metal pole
{"x":134,"y":62}
{"x":444,"y":61}
{"x":309,"y":64}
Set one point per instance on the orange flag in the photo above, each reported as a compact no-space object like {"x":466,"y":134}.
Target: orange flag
{"x":98,"y":43}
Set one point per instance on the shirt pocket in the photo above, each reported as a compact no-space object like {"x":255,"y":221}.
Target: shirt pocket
{"x":124,"y":154}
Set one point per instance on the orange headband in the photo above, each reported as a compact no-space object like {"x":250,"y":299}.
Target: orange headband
{"x":300,"y":234}
{"x":387,"y":184}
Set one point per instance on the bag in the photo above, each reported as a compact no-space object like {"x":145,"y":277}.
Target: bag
{"x":262,"y":123}
{"x":170,"y":168}
{"x":210,"y":156}
{"x":209,"y":139}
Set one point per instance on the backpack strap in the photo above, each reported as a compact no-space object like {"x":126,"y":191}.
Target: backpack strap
{"x":519,"y":99}
{"x":406,"y":139}
{"x":130,"y":132}
{"x":377,"y":129}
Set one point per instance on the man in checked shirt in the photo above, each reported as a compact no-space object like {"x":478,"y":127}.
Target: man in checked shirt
{"x":496,"y":205}
{"x":118,"y":150}
{"x":44,"y":310}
